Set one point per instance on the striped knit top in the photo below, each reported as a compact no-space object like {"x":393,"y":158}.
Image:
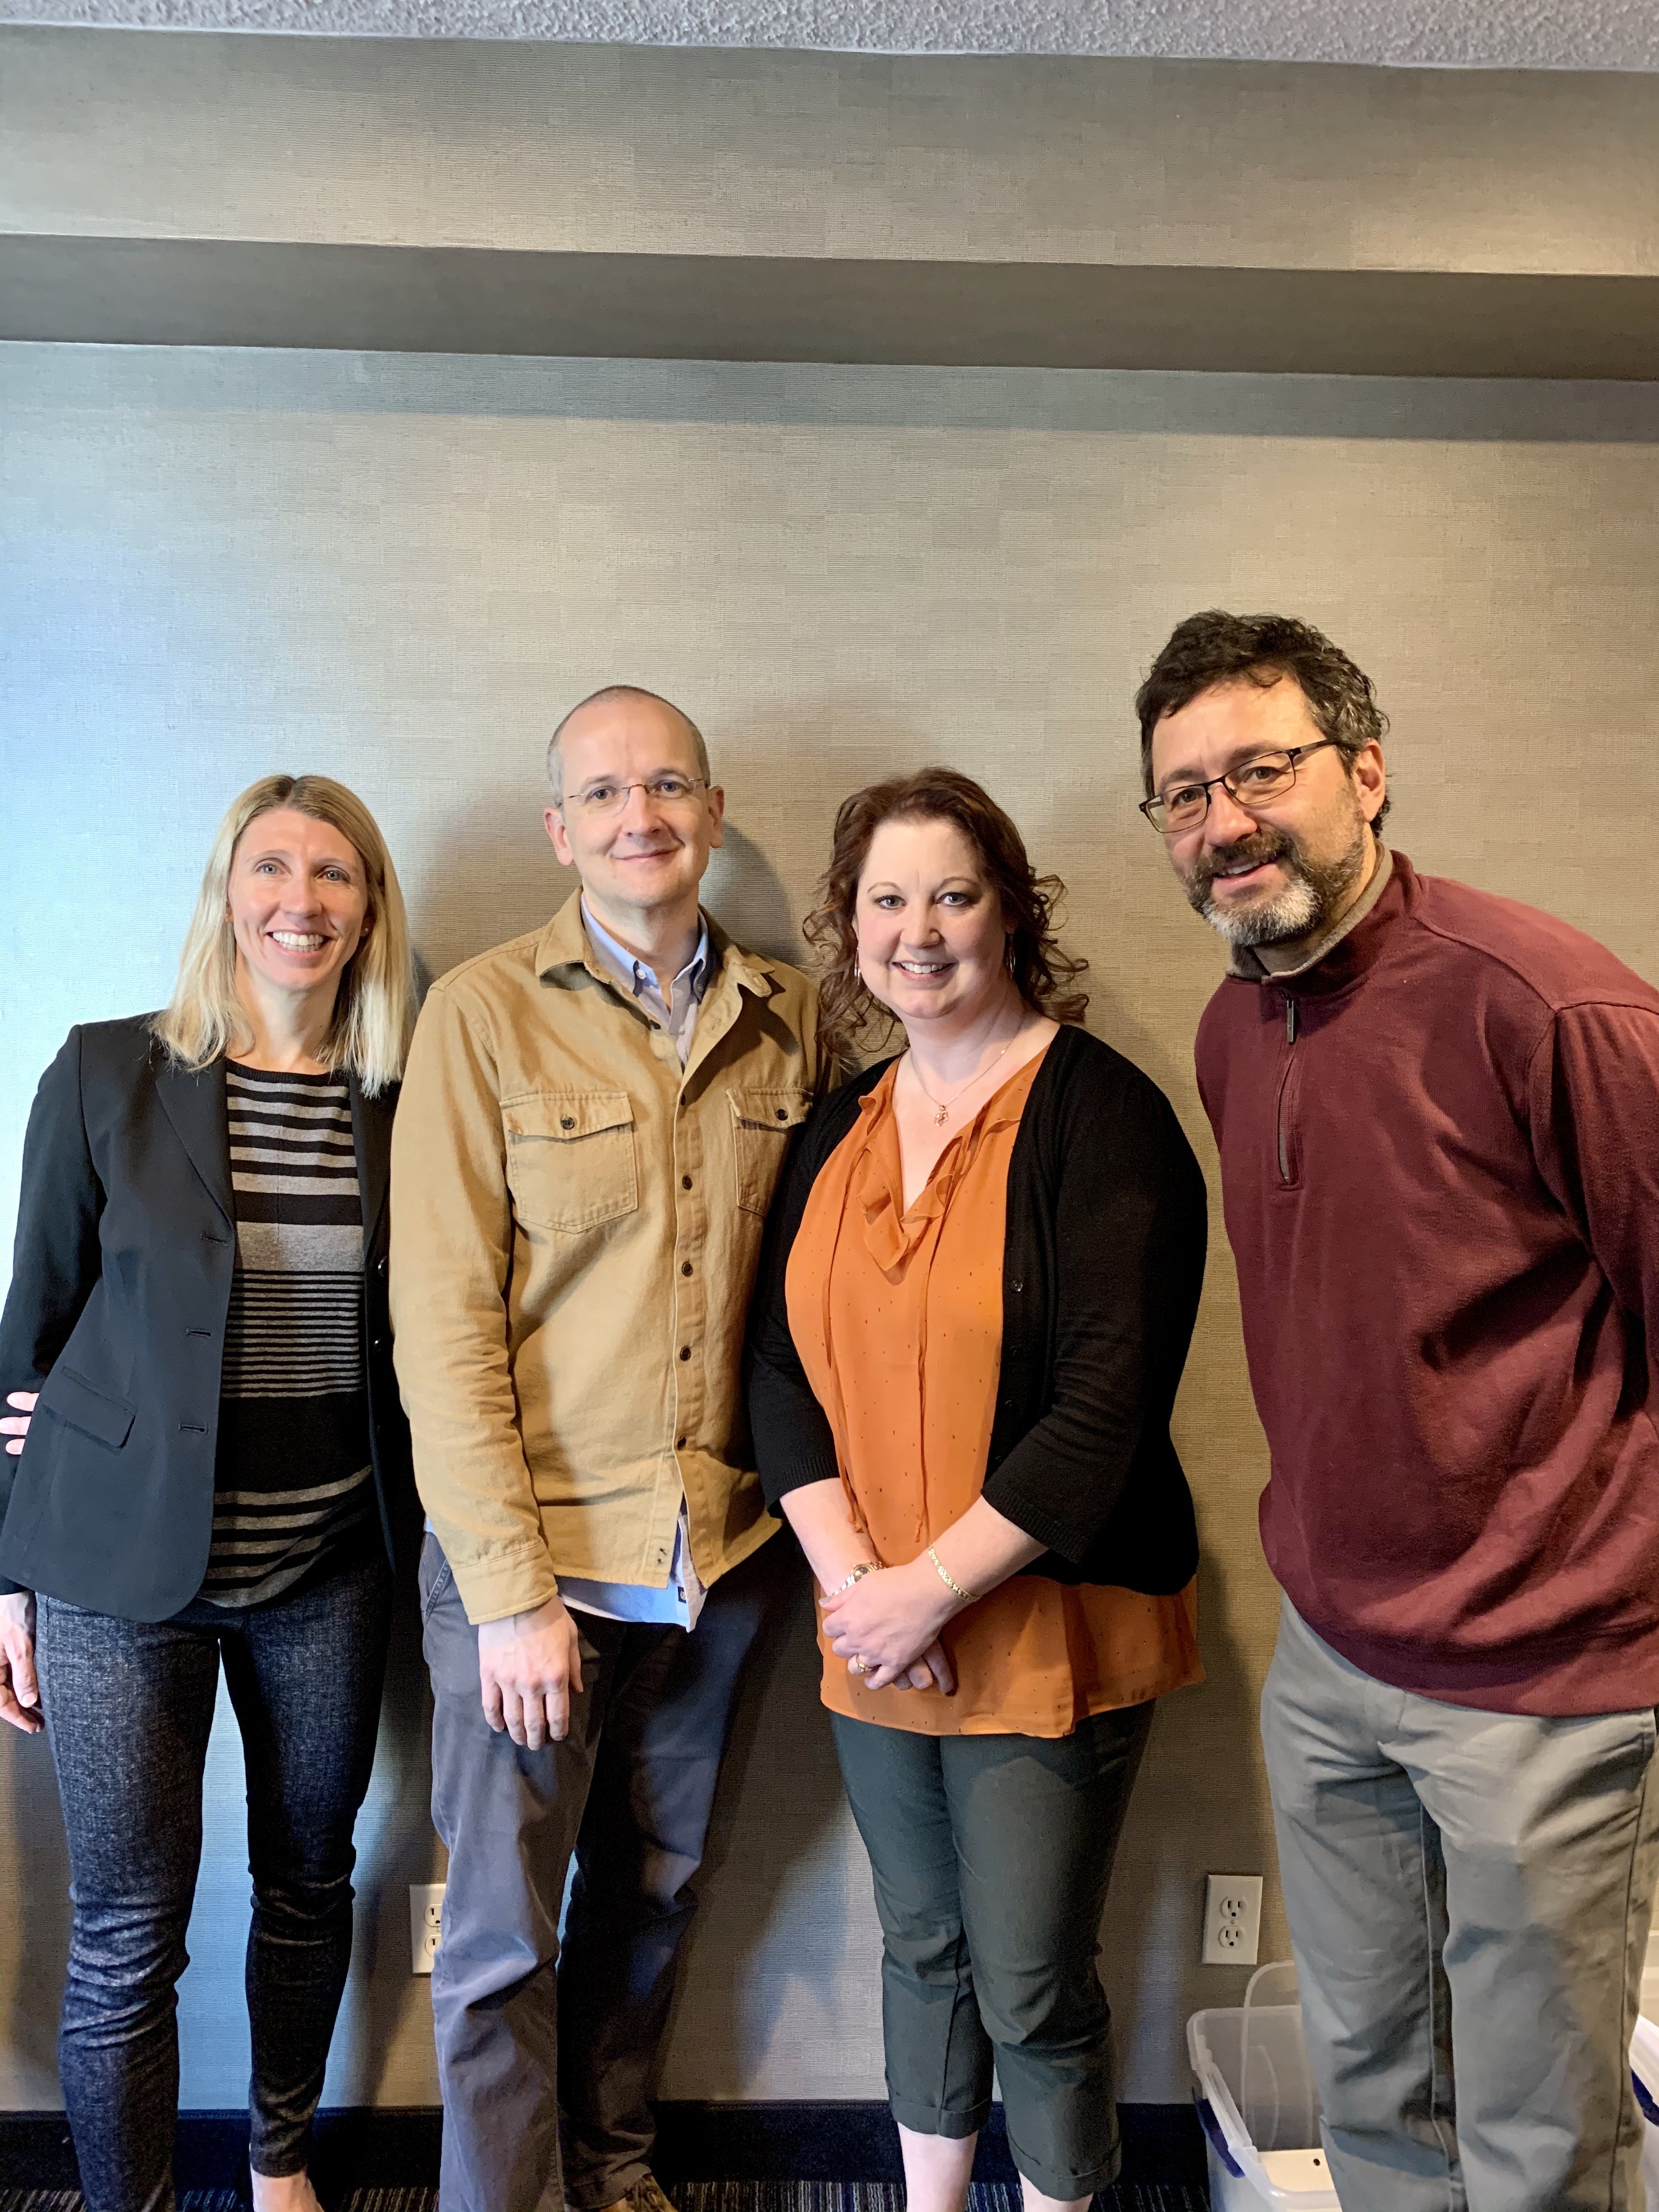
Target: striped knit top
{"x":294,"y":1486}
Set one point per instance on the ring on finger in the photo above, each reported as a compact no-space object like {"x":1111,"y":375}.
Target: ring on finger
{"x":858,"y":1664}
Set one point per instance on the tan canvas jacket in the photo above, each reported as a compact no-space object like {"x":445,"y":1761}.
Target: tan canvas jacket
{"x":575,"y":1225}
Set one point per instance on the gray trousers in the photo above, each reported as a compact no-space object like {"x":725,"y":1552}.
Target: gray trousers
{"x":991,"y":1856}
{"x":1468,"y":1895}
{"x":528,"y":2033}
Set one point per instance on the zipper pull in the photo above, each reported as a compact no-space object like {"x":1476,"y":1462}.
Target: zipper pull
{"x":1290,"y":1019}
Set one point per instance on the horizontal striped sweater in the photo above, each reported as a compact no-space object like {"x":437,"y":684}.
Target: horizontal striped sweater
{"x":294,"y":1490}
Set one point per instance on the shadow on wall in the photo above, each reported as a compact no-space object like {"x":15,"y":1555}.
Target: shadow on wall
{"x":1201,"y":1779}
{"x":780,"y":1805}
{"x":37,"y":1874}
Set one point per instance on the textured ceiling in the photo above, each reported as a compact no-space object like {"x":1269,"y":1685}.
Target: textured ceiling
{"x":1578,"y":35}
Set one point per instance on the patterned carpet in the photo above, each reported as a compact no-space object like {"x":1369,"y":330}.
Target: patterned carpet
{"x":691,"y":2196}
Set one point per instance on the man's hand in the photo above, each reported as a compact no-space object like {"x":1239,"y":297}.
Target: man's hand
{"x":530,"y":1667}
{"x":20,"y":1699}
{"x":11,"y":1427}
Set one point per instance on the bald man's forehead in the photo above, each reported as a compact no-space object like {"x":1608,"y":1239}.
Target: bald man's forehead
{"x":634,"y":733}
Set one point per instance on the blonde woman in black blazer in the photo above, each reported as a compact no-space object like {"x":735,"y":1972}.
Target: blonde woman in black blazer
{"x":203,"y":1455}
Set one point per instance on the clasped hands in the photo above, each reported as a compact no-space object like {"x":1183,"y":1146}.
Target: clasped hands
{"x":891,"y":1622}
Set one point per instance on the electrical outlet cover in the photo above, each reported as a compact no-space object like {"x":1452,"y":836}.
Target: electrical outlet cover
{"x":1232,"y":1919}
{"x":426,"y":1910}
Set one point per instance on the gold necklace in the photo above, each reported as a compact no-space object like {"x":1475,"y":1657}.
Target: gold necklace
{"x":942,"y":1112}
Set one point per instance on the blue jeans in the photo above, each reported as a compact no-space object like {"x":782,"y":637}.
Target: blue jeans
{"x":128,"y":1706}
{"x":1468,"y":1895}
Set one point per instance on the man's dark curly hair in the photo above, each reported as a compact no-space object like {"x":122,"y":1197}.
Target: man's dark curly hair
{"x":1216,"y":647}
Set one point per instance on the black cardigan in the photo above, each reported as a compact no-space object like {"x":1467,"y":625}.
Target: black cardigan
{"x":1104,"y":1260}
{"x":126,"y":1245}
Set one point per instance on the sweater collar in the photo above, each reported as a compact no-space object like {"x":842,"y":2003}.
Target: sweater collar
{"x":1357,"y":942}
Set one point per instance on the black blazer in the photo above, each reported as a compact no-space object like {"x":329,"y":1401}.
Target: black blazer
{"x":1102,"y":1263}
{"x":127,"y":1244}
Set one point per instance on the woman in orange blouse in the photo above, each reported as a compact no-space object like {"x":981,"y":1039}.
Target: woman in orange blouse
{"x":978,"y":1299}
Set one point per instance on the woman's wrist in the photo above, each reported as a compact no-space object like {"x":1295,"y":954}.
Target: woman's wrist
{"x":960,"y":1595}
{"x":854,"y":1574}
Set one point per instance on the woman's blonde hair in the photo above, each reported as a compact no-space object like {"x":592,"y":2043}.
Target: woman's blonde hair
{"x":374,"y":1007}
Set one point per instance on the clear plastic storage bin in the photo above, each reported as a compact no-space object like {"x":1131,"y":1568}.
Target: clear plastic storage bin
{"x":1255,"y":2096}
{"x":1254,"y":2092}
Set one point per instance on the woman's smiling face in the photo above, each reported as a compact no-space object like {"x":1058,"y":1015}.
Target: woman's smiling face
{"x":931,"y":936}
{"x":299,"y":900}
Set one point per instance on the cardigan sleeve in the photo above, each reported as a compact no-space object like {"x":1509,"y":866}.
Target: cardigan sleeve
{"x":56,"y":1258}
{"x":1128,"y":1232}
{"x":794,"y":1442}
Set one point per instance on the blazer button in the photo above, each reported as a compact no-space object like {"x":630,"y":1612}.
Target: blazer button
{"x":685,"y":1266}
{"x":567,"y":1121}
{"x":685,"y":1352}
{"x":685,"y":1183}
{"x":679,"y":1443}
{"x":783,"y":1113}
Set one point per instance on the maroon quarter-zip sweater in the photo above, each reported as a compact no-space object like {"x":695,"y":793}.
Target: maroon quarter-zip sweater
{"x":1440,"y":1164}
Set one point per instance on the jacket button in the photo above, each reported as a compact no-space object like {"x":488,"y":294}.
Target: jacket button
{"x":685,"y":1352}
{"x":685,"y":1183}
{"x":783,"y":1113}
{"x":1017,"y":1286}
{"x":567,"y":1121}
{"x":685,"y":1266}
{"x":679,"y":1443}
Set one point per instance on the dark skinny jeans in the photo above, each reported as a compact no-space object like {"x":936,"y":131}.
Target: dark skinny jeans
{"x":128,"y":1707}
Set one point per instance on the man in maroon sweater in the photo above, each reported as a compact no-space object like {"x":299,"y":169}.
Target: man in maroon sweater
{"x":1437,"y":1114}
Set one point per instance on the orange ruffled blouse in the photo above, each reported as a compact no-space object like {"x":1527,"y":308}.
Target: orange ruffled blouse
{"x":897,"y":1318}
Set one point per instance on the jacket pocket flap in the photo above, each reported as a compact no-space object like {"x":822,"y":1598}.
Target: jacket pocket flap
{"x":82,"y":1405}
{"x":779,"y":1109}
{"x":564,"y":1115}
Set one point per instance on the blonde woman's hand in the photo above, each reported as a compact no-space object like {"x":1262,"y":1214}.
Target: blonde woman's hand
{"x":19,"y":1695}
{"x":15,"y":1426}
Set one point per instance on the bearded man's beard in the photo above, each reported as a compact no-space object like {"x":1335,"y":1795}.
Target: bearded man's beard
{"x":1309,"y":902}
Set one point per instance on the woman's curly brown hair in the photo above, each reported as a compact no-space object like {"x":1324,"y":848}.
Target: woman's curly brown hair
{"x":849,"y":1015}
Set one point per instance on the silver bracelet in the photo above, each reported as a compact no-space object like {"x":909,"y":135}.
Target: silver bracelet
{"x":967,"y":1597}
{"x":863,"y":1567}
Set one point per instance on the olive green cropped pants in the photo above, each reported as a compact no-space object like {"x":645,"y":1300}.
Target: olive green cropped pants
{"x":991,"y":1856}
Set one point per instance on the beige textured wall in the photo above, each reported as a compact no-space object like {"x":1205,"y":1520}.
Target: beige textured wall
{"x":654,"y":149}
{"x":399,"y":570}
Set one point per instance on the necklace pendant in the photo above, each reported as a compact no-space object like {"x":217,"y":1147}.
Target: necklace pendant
{"x":941,"y":1117}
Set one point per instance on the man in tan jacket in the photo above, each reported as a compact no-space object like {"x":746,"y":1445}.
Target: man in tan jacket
{"x":593,"y":1123}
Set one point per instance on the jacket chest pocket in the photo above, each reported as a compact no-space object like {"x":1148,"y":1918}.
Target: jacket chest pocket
{"x":570,"y":1164}
{"x":763,"y":1121}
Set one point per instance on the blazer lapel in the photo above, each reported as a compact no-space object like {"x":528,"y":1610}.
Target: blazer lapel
{"x":371,"y":1130}
{"x":195,"y":1105}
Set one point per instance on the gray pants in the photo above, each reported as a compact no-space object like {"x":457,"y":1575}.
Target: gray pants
{"x":991,"y":1856}
{"x":1468,"y":1895}
{"x":628,"y":1794}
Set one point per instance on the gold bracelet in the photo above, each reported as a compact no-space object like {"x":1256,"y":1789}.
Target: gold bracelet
{"x":863,"y":1567}
{"x":967,"y":1597}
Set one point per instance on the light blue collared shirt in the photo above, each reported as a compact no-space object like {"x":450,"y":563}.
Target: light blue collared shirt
{"x":675,"y":1010}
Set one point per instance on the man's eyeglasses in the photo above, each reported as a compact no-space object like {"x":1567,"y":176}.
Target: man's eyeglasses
{"x":600,"y":799}
{"x":1251,"y":784}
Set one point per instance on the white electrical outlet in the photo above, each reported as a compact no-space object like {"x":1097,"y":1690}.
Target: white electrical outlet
{"x":1232,"y":1919}
{"x":426,"y":1922}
